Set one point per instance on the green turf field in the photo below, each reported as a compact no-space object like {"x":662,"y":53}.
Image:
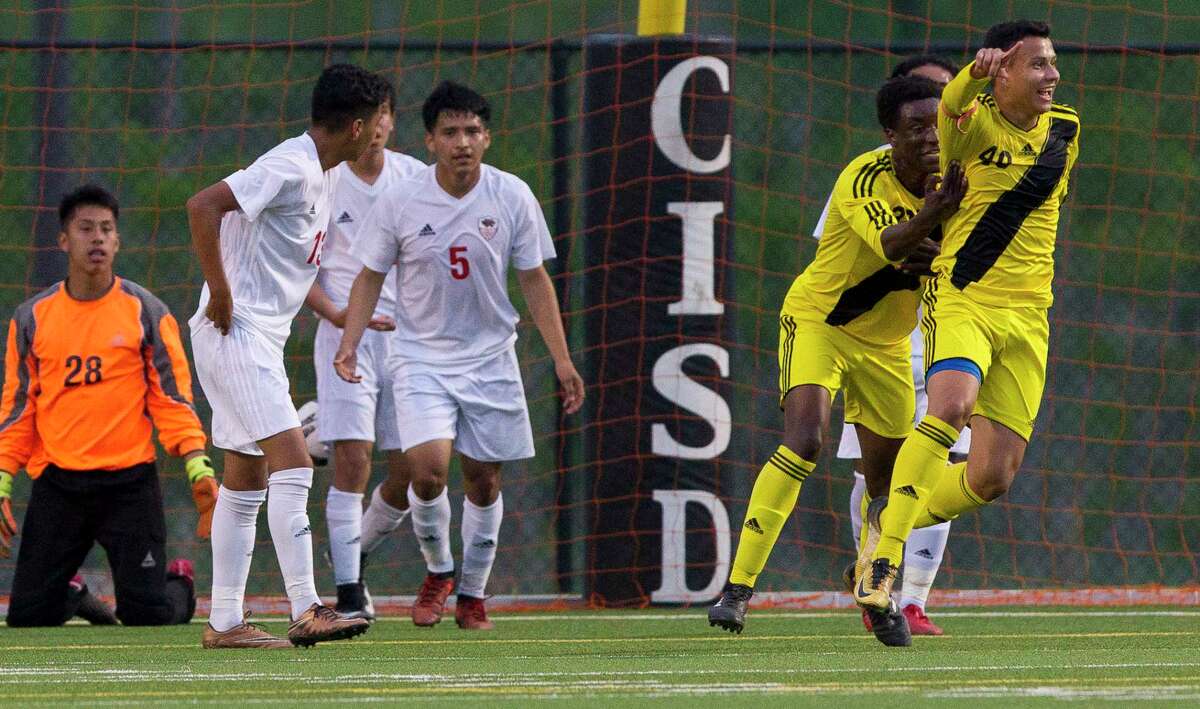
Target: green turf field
{"x":1001,"y":657}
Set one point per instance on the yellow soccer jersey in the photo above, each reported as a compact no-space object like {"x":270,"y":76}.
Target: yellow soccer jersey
{"x":850,"y":284}
{"x":999,"y":246}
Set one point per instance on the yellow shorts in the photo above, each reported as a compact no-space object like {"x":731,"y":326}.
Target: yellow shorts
{"x":876,"y":381}
{"x":1007,"y":344}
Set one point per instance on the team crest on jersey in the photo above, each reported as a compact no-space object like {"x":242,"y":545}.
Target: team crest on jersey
{"x":488,"y":226}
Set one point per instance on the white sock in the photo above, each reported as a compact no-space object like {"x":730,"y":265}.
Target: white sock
{"x":856,"y":496}
{"x":234,"y":520}
{"x":922,"y":557}
{"x":380,"y":520}
{"x":344,"y":516}
{"x":287,"y":513}
{"x":431,"y":524}
{"x":480,"y":535}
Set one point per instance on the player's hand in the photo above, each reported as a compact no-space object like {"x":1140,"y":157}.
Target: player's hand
{"x":220,"y":309}
{"x":345,"y":363}
{"x":943,"y":195}
{"x":572,"y":385}
{"x":920,"y":261}
{"x":990,"y":60}
{"x":204,"y":492}
{"x":382,"y":323}
{"x":8,"y":525}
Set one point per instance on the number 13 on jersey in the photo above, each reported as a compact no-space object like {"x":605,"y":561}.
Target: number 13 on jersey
{"x":460,"y":267}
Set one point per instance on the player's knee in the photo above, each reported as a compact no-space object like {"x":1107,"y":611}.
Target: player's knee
{"x":995,"y":479}
{"x":428,"y":486}
{"x":954,"y":410}
{"x":805,"y":443}
{"x":144,"y":610}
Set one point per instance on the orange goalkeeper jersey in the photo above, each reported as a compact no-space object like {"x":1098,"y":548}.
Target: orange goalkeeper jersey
{"x":84,"y":381}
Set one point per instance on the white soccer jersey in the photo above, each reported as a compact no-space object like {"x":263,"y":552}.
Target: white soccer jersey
{"x":271,"y":247}
{"x":452,"y":256}
{"x":351,"y":204}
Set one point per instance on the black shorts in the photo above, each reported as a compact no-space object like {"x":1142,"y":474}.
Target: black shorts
{"x":68,"y":512}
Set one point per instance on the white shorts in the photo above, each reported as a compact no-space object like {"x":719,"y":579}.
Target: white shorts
{"x":245,"y":383}
{"x":848,"y":446}
{"x":482,"y":410}
{"x":364,"y":411}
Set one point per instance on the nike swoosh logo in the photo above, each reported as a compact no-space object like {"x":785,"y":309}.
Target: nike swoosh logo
{"x":860,"y":591}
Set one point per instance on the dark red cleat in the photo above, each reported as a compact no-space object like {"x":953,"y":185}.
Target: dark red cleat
{"x":918,"y":622}
{"x":431,"y":599}
{"x":470,"y":614}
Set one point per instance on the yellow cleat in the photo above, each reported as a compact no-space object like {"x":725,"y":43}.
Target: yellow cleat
{"x":874,"y":534}
{"x":874,"y":590}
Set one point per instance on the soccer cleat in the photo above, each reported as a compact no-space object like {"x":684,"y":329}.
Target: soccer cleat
{"x":241,"y":636}
{"x":90,"y":608}
{"x":354,"y":601}
{"x":918,"y":622}
{"x":866,"y":617}
{"x":182,"y":570}
{"x":431,"y":599}
{"x":874,"y":533}
{"x":729,"y":612}
{"x":874,"y":590}
{"x":848,"y":574}
{"x":321,"y":624}
{"x":890,"y":626}
{"x":470,"y":614}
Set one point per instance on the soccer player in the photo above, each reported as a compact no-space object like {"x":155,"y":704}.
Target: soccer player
{"x":258,"y":236}
{"x":94,"y":364}
{"x":923,"y":554}
{"x":845,"y":325}
{"x":454,"y":229}
{"x":354,"y":417}
{"x":985,"y":311}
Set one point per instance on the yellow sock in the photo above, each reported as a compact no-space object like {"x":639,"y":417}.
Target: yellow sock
{"x":862,"y":514}
{"x":952,"y":496}
{"x":771,"y":502}
{"x":920,"y":466}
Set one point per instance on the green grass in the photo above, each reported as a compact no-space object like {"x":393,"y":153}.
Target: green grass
{"x":1009,"y":657}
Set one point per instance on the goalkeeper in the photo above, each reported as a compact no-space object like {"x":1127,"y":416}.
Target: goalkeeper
{"x":92,"y":362}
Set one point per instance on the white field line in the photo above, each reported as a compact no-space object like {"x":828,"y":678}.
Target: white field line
{"x":16,"y":674}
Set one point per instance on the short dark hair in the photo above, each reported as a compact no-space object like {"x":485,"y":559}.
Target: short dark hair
{"x":345,"y":92}
{"x":917,"y":61}
{"x":86,"y":196}
{"x":899,"y":91}
{"x":1006,"y":34}
{"x":454,"y":98}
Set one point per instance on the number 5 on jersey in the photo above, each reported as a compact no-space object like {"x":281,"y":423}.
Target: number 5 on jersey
{"x":460,"y":267}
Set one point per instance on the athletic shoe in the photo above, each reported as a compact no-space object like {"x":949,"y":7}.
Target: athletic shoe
{"x":918,"y":622}
{"x":730,"y":611}
{"x":874,"y":591}
{"x":890,"y":626}
{"x":354,"y":601}
{"x":181,"y":570}
{"x":866,"y":616}
{"x":321,"y":623}
{"x":470,"y":614}
{"x":431,"y":599}
{"x":874,"y":533}
{"x":90,"y":608}
{"x":245,"y":635}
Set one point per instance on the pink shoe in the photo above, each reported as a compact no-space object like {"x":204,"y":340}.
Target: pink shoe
{"x":918,"y":622}
{"x":183,"y":568}
{"x":867,"y":621}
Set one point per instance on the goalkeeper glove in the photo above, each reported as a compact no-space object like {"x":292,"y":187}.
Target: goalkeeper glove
{"x":204,"y":492}
{"x":8,"y":525}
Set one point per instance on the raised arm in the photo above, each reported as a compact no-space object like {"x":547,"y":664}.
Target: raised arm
{"x":543,"y":307}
